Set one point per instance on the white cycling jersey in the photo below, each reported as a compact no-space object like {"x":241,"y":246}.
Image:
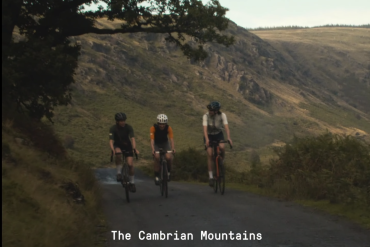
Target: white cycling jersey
{"x":214,"y":123}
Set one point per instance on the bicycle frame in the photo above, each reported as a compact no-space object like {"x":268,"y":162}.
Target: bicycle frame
{"x":164,"y":172}
{"x":218,"y":168}
{"x":125,"y":173}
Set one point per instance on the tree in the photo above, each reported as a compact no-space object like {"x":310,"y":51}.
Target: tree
{"x":38,"y":72}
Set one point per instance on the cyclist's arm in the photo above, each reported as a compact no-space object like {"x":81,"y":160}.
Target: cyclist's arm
{"x":226,"y":125}
{"x":111,"y":140}
{"x":170,"y":135}
{"x":111,"y":145}
{"x":172,"y":143}
{"x":133,"y":142}
{"x":152,"y":144}
{"x":205,"y":127}
{"x":227,"y":131}
{"x":205,"y":132}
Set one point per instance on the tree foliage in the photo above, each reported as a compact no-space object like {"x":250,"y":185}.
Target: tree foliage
{"x":38,"y":71}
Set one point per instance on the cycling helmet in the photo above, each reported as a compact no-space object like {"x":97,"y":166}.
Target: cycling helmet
{"x":214,"y":106}
{"x":161,"y":118}
{"x":120,"y":116}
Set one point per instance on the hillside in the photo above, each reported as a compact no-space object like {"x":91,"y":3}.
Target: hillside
{"x":47,"y":199}
{"x":271,"y":84}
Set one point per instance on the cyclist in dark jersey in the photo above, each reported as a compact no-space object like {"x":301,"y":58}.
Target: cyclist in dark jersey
{"x":122,"y":138}
{"x":213,"y":123}
{"x":161,"y":135}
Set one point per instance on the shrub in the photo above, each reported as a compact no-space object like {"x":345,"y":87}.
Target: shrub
{"x":190,"y":164}
{"x":329,"y":166}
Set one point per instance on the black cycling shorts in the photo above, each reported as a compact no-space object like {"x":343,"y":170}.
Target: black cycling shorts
{"x":165,"y":146}
{"x":126,"y":152}
{"x":211,"y":138}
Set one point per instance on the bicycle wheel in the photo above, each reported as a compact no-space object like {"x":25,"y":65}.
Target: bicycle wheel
{"x":221,"y":182}
{"x":161,"y":178}
{"x":215,"y":177}
{"x":164,"y":179}
{"x":125,"y":181}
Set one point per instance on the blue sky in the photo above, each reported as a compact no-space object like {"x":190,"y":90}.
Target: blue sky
{"x":267,"y":13}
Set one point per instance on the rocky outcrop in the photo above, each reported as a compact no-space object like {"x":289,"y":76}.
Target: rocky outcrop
{"x":253,"y":92}
{"x":227,"y":71}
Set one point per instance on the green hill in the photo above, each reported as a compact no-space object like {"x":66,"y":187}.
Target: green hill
{"x":271,"y":84}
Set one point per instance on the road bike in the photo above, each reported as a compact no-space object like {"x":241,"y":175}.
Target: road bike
{"x":218,"y":166}
{"x":163,"y":185}
{"x":125,"y":176}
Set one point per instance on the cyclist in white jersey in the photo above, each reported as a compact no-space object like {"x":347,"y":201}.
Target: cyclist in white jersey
{"x":213,"y":123}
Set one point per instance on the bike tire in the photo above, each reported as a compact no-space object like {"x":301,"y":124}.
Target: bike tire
{"x":215,"y":177}
{"x":164,"y":179}
{"x":125,"y":181}
{"x":221,"y":177}
{"x":161,"y":178}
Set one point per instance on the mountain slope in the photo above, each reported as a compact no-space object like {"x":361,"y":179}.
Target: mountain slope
{"x":269,"y":89}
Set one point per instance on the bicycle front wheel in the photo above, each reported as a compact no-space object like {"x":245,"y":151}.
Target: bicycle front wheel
{"x":215,"y":176}
{"x":161,"y":178}
{"x":164,"y":179}
{"x":221,"y":181}
{"x":125,"y":181}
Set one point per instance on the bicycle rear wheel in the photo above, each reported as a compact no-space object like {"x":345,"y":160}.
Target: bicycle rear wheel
{"x":125,"y":181}
{"x":221,"y":182}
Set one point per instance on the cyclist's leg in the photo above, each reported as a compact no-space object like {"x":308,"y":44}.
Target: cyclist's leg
{"x":130,"y":162}
{"x":169,"y":158}
{"x":210,"y":165}
{"x":222,"y":150}
{"x":209,"y":159}
{"x":220,"y":136}
{"x":156,"y":165}
{"x":118,"y":161}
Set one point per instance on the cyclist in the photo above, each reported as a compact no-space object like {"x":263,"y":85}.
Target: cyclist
{"x":213,"y":122}
{"x":119,"y":141}
{"x":159,"y":135}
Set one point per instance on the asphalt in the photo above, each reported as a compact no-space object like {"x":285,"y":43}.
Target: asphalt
{"x":193,"y":214}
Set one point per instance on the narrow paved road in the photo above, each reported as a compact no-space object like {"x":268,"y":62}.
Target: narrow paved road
{"x":192,"y":210}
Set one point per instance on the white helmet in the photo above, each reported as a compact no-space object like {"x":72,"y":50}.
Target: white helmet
{"x":161,"y":118}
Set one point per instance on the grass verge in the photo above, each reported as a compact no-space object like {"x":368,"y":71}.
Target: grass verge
{"x":47,"y":199}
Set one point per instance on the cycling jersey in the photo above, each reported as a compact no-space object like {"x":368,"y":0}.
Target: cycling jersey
{"x":160,"y":136}
{"x":121,"y":136}
{"x":214,"y":123}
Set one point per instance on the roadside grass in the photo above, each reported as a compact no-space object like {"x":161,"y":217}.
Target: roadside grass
{"x":328,"y":172}
{"x":46,"y":200}
{"x":353,"y":213}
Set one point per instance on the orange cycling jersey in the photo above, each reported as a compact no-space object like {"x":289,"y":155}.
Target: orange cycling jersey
{"x":152,"y":132}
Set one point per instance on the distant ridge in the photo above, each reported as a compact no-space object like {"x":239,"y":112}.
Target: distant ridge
{"x":302,"y":27}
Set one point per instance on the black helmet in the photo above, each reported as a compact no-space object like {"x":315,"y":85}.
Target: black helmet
{"x":120,"y":116}
{"x":214,"y":106}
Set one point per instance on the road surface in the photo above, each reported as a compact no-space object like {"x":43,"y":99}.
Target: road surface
{"x":193,"y":215}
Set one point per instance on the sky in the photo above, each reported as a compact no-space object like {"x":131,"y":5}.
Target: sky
{"x":269,"y":13}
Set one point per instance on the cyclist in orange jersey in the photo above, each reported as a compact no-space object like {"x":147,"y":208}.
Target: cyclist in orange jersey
{"x":161,"y":136}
